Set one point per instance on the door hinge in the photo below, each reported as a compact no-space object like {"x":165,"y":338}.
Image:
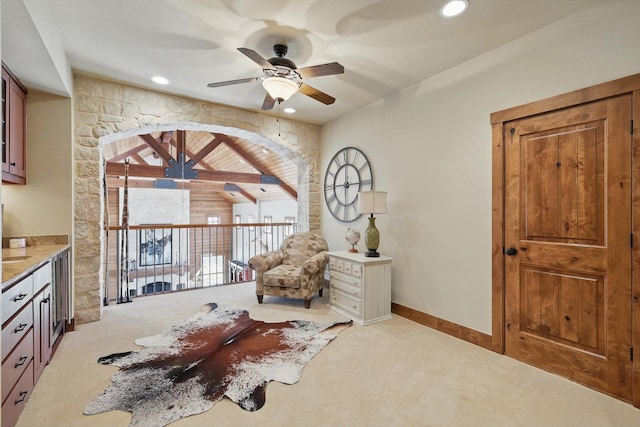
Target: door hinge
{"x":631,"y":126}
{"x":631,"y":353}
{"x":631,"y":240}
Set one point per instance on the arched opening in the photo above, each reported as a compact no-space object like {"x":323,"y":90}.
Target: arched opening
{"x":180,"y":177}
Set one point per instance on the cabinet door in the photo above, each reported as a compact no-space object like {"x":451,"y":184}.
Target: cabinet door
{"x":17,"y":131}
{"x":42,"y":331}
{"x":5,"y":120}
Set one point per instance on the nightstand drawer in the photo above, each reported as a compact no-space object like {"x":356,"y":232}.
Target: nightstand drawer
{"x":16,"y":363}
{"x":354,"y":291}
{"x":346,"y":302}
{"x":16,"y":329}
{"x":350,"y":280}
{"x":347,"y":267}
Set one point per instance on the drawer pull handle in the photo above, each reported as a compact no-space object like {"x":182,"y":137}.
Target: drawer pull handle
{"x":23,"y":395}
{"x":23,"y":359}
{"x":20,"y":327}
{"x":19,"y":297}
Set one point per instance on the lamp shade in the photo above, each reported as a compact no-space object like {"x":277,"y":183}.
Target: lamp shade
{"x":280,"y":88}
{"x":372,"y":202}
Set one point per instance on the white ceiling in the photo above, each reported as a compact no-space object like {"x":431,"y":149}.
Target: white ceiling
{"x":384,"y":45}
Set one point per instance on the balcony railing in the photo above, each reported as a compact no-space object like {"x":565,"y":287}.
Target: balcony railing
{"x":169,"y":258}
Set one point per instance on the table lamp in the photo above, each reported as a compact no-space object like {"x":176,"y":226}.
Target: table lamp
{"x":372,"y":202}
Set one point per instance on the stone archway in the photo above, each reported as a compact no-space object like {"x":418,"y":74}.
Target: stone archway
{"x":106,"y":111}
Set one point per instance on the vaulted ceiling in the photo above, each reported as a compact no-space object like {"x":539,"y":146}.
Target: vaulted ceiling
{"x":238,"y":170}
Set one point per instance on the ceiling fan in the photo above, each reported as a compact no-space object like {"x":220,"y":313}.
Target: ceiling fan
{"x":281,"y":78}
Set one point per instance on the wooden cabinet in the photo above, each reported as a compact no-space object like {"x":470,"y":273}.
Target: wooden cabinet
{"x":42,"y":322}
{"x":14,"y":96}
{"x":26,"y":339}
{"x":360,"y":287}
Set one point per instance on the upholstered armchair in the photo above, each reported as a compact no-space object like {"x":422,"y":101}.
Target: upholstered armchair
{"x":296,"y":270}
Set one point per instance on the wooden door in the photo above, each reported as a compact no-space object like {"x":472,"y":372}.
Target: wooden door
{"x":568,"y":243}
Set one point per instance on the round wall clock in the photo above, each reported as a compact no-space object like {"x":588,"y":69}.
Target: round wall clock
{"x":348,"y":173}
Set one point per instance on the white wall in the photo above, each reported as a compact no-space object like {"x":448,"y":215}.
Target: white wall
{"x":430,"y":147}
{"x":44,"y":206}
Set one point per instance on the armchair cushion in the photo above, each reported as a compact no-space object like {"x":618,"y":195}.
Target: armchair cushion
{"x":283,"y":275}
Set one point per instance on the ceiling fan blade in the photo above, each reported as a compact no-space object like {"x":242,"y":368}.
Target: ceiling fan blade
{"x":316,"y":94}
{"x":320,"y":70}
{"x":232,"y":82}
{"x":268,"y":102}
{"x":256,"y":57}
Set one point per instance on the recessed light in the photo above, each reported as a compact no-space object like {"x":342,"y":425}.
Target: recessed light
{"x":453,"y":8}
{"x":289,"y":110}
{"x":264,"y":151}
{"x":160,"y":80}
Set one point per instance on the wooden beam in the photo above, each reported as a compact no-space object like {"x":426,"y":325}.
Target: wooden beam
{"x":181,"y":144}
{"x":212,"y":145}
{"x":153,"y":143}
{"x":128,"y":153}
{"x":148,"y":171}
{"x":248,"y":196}
{"x":139,"y":160}
{"x":256,"y":163}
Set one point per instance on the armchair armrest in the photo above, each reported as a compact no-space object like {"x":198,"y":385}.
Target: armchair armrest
{"x":315,"y":263}
{"x":266,"y":261}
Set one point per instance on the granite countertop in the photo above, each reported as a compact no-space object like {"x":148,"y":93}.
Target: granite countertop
{"x":36,"y":256}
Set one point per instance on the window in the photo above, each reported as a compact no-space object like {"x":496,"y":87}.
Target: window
{"x":267,"y":220}
{"x":289,"y":220}
{"x":213,"y":219}
{"x":237,"y":219}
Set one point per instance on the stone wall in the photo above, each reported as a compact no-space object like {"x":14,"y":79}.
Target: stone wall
{"x":105,"y":111}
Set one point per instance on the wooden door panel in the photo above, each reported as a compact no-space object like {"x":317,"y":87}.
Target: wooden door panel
{"x":563,"y":308}
{"x":562,"y":169}
{"x":568,"y":222}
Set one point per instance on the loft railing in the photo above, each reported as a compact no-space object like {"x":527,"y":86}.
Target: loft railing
{"x":169,"y":258}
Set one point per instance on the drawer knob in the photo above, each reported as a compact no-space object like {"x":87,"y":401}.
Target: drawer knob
{"x":23,"y":395}
{"x":18,"y":297}
{"x":22,"y":360}
{"x":20,"y":327}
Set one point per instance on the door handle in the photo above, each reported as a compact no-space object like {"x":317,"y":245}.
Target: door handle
{"x":511,"y":251}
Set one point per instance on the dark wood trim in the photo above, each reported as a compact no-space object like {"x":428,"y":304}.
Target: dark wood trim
{"x":14,"y":77}
{"x":497,"y":240}
{"x":70,"y":326}
{"x":582,"y":96}
{"x":449,"y":328}
{"x":635,"y":272}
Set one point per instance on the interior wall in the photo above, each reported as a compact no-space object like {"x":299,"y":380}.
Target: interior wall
{"x":44,"y":205}
{"x":430,"y":147}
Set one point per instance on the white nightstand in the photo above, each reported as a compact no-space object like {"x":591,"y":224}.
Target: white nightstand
{"x":360,"y":287}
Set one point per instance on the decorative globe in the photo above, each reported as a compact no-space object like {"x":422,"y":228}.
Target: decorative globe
{"x":353,"y":237}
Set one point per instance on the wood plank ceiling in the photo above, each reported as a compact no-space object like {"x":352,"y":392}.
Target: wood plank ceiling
{"x":237,"y":169}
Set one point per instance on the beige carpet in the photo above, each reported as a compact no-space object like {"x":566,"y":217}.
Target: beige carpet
{"x":393,"y":373}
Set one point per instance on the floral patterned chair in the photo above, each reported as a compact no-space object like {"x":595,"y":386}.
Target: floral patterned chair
{"x":296,"y":270}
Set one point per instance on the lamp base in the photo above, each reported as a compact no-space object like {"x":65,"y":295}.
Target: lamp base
{"x":372,"y":253}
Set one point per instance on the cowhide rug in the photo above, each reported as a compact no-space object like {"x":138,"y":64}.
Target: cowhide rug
{"x":216,"y":353}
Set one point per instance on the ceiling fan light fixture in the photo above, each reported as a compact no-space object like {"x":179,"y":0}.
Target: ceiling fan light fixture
{"x":280,"y":88}
{"x":453,"y":8}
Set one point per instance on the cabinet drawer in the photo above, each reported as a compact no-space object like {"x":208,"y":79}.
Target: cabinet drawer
{"x":42,"y":277}
{"x":16,"y":297}
{"x":346,"y":267}
{"x":13,"y":332}
{"x":13,"y":406}
{"x":341,"y":277}
{"x":346,"y":302}
{"x":16,"y":363}
{"x":347,"y":288}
